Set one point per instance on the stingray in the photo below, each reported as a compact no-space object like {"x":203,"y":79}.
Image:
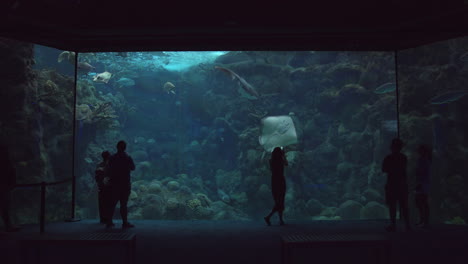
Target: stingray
{"x":277,"y":131}
{"x":103,"y":77}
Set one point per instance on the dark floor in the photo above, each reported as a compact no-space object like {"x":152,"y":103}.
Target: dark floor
{"x":248,"y":242}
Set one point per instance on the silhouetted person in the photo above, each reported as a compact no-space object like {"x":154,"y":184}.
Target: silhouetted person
{"x":396,"y":189}
{"x":102,"y":183}
{"x":119,"y":168}
{"x":7,"y":183}
{"x":278,"y":183}
{"x":423,"y":172}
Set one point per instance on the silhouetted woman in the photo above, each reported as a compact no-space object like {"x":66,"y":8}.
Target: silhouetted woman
{"x":103,"y":192}
{"x":422,"y":184}
{"x":278,"y":183}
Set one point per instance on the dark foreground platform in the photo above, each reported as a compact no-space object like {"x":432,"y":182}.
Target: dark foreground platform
{"x":234,"y":242}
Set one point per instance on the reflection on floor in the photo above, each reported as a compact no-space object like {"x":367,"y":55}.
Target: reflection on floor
{"x":243,"y":242}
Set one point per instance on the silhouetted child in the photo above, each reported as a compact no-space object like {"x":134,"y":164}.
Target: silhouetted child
{"x":423,"y":171}
{"x":396,"y":189}
{"x":102,"y":182}
{"x":278,"y":183}
{"x":119,"y":168}
{"x":7,"y":183}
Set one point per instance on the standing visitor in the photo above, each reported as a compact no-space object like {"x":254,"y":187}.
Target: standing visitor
{"x":278,"y":183}
{"x":102,"y":182}
{"x":396,"y":188}
{"x":119,"y":168}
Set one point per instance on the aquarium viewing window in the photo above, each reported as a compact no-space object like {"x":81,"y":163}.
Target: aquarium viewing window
{"x":200,"y":127}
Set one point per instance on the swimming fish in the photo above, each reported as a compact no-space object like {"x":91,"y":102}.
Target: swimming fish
{"x":224,"y":196}
{"x":68,"y":56}
{"x":242,"y":83}
{"x":169,"y":87}
{"x":447,"y":97}
{"x":385,"y":88}
{"x":84,"y":66}
{"x":390,"y":125}
{"x":122,"y":54}
{"x":464,"y":57}
{"x":103,"y":77}
{"x":125,"y":82}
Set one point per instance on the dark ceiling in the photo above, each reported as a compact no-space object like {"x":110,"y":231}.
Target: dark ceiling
{"x":92,"y":25}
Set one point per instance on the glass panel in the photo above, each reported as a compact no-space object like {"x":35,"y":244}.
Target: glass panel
{"x":36,"y":125}
{"x":433,"y":105}
{"x":193,"y":126}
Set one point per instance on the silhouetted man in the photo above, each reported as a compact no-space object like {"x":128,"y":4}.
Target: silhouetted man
{"x":119,"y":168}
{"x":102,"y":183}
{"x":7,"y":183}
{"x":396,"y":189}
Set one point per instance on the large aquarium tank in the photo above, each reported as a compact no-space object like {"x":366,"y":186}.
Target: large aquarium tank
{"x":200,"y":127}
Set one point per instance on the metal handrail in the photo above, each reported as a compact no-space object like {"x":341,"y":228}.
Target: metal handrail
{"x":43,"y":186}
{"x":40,"y":183}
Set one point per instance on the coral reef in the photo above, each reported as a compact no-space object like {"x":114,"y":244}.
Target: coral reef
{"x":349,"y":210}
{"x":36,"y":123}
{"x":374,"y":210}
{"x":456,"y":221}
{"x":314,"y":207}
{"x":99,"y":113}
